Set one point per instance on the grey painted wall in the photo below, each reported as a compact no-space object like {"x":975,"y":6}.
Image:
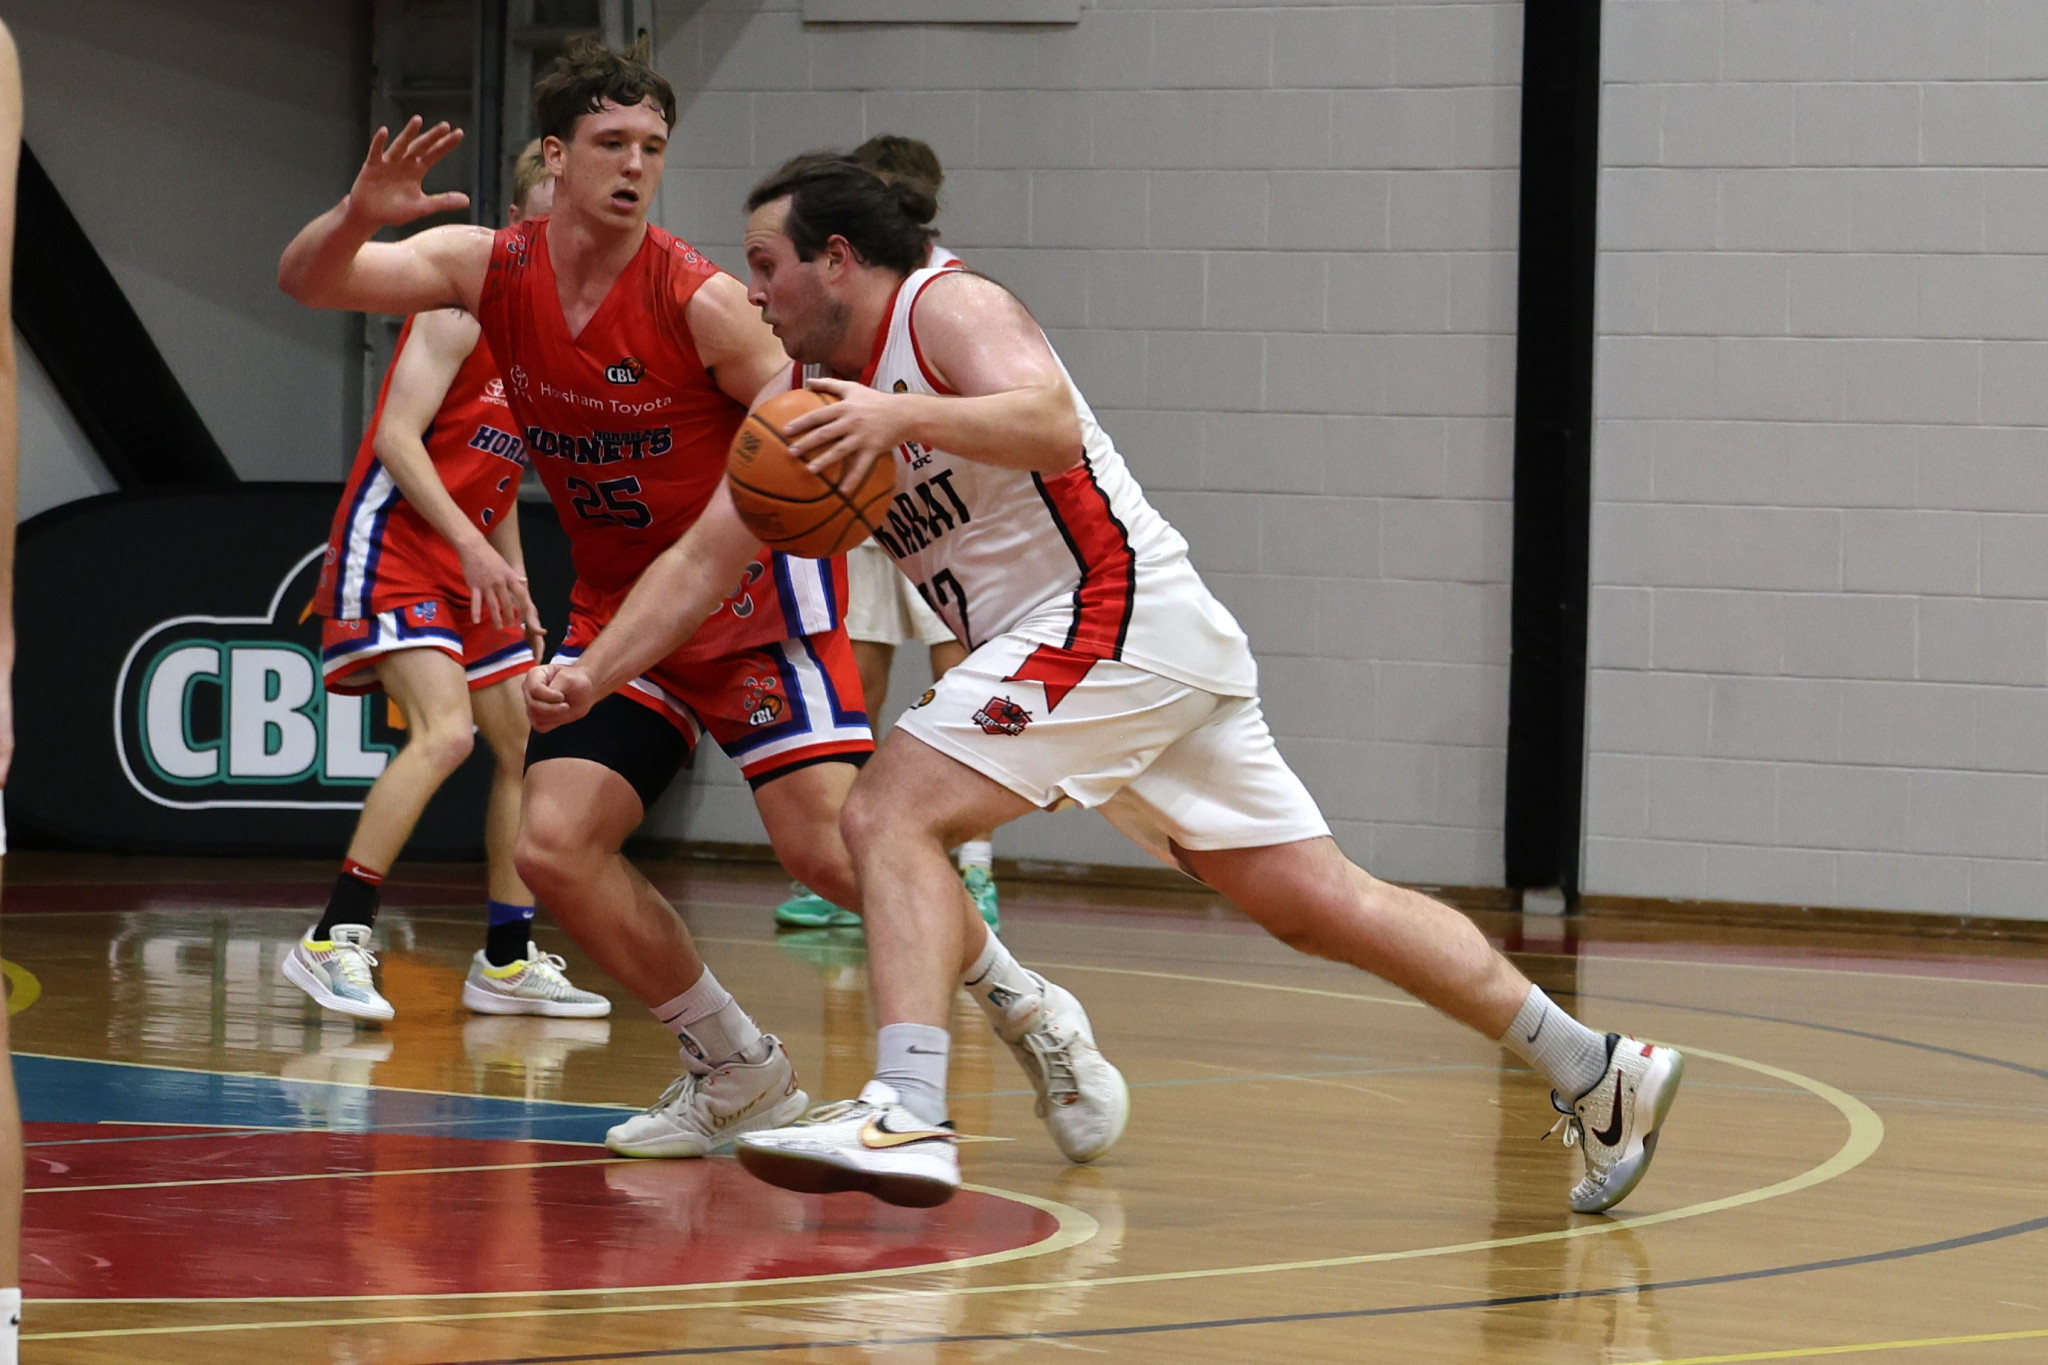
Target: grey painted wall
{"x":1821,"y":532}
{"x":191,"y":140}
{"x":1276,"y":247}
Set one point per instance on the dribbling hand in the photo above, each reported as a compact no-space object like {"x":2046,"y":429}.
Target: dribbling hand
{"x":861,"y":427}
{"x":387,"y":189}
{"x":557,"y":694}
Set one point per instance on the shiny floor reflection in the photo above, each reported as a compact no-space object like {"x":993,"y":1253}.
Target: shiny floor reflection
{"x":1316,"y":1170}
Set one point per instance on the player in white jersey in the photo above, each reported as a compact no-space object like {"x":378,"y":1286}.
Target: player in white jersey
{"x":1103,"y":673}
{"x":884,"y":611}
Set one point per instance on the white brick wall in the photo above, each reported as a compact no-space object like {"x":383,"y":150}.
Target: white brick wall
{"x":1275,"y":245}
{"x":1819,"y":634}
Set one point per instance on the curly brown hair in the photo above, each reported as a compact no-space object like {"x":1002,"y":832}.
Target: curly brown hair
{"x":587,"y":74}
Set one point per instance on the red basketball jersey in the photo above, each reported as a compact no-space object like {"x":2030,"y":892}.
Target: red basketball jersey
{"x":381,"y":553}
{"x":629,"y":433}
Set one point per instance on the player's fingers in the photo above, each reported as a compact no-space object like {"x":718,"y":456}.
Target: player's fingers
{"x":447,"y":203}
{"x":439,"y":143}
{"x":404,"y":139}
{"x":831,"y":454}
{"x":835,"y":388}
{"x":378,"y":140}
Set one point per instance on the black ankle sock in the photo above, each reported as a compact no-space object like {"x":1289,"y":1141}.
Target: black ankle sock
{"x":352,"y":901}
{"x":505,"y":944}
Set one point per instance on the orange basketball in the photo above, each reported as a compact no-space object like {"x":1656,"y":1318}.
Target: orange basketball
{"x":783,"y":502}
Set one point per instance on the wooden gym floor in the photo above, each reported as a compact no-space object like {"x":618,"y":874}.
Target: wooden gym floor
{"x":1316,"y":1168}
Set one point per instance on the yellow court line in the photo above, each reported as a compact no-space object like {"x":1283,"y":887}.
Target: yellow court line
{"x":1866,"y":1134}
{"x":23,"y":989}
{"x":1809,"y":1352}
{"x":327,"y":1175}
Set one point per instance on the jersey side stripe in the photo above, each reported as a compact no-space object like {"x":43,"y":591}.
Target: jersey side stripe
{"x":1107,"y":592}
{"x":364,"y":544}
{"x":809,"y":605}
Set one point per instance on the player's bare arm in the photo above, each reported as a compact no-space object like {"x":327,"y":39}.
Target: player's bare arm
{"x":671,"y":598}
{"x":332,"y":263}
{"x":736,"y":346}
{"x":1010,"y":404}
{"x":441,"y":341}
{"x":10,"y":440}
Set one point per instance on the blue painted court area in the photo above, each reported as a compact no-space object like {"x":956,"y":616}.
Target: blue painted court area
{"x":72,"y":1090}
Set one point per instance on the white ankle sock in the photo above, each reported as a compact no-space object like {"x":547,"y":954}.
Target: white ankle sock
{"x":996,"y":979}
{"x":1573,"y":1056}
{"x":911,"y":1060}
{"x":975,"y":853}
{"x":10,"y":1326}
{"x":709,"y":1023}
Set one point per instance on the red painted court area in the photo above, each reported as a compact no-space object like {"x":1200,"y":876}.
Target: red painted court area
{"x":125,"y":1212}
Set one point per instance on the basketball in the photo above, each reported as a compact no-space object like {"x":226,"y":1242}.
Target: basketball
{"x":783,"y":502}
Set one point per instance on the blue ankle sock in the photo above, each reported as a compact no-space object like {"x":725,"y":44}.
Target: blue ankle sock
{"x":511,"y":928}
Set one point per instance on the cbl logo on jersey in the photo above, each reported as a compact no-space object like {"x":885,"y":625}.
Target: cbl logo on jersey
{"x":228,"y":711}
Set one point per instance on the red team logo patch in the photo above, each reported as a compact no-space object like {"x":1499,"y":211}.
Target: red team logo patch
{"x":1001,"y":716}
{"x":762,"y":705}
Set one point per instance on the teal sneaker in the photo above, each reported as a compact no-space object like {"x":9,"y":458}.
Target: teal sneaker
{"x":807,"y":911}
{"x":982,"y":886}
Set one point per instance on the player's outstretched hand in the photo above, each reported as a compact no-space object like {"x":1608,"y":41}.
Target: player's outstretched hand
{"x":861,"y":427}
{"x":387,"y":188}
{"x":494,"y":586}
{"x":557,"y":694}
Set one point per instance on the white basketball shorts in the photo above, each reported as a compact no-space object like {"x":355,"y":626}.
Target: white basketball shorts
{"x":1166,"y":763}
{"x":882,"y":607}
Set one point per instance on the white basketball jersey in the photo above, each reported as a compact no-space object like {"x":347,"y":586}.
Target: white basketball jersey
{"x":1078,"y":560}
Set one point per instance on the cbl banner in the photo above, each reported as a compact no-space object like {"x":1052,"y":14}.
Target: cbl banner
{"x":167,"y":691}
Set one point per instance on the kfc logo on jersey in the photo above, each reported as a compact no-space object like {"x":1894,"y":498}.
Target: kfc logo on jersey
{"x":1001,"y":716}
{"x":626,"y":371}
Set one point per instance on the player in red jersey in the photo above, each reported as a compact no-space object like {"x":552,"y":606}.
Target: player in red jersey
{"x":424,"y":591}
{"x":629,"y":360}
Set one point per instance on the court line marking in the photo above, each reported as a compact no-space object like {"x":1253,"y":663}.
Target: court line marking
{"x":1076,"y":1335}
{"x":1071,"y":1228}
{"x":23,"y":989}
{"x":1402,"y":1002}
{"x":1866,"y":1135}
{"x":1858,"y":1348}
{"x":325,"y":1175}
{"x":345,"y":1085}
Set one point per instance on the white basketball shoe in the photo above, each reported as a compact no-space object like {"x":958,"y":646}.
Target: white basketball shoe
{"x":1081,"y":1097}
{"x":337,"y":973}
{"x":700,"y":1113}
{"x":1617,"y":1120}
{"x":871,"y":1144}
{"x":535,"y":985}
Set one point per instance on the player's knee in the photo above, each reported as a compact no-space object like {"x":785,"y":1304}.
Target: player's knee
{"x":862,"y":821}
{"x":547,"y":854}
{"x":444,"y":748}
